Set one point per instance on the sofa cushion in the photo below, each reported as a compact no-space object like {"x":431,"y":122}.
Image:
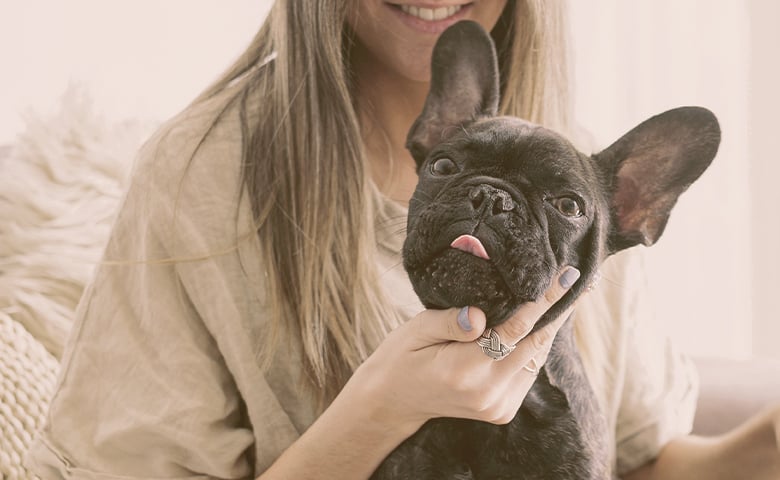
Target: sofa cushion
{"x":733,"y":390}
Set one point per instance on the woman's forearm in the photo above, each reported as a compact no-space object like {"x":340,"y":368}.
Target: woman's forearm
{"x":348,"y":441}
{"x":749,"y":451}
{"x":688,"y":458}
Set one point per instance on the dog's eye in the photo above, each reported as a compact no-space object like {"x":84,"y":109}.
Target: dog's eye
{"x":567,"y":206}
{"x":444,"y":166}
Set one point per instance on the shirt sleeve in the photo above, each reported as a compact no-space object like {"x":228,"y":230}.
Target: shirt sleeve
{"x":659,"y":388}
{"x":144,"y":391}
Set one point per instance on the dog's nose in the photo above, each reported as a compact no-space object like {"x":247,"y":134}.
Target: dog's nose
{"x":488,"y":200}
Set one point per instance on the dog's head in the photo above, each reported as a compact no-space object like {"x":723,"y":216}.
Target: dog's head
{"x":502,"y":204}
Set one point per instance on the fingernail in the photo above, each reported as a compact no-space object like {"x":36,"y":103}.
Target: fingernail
{"x":463,"y":319}
{"x":569,"y":277}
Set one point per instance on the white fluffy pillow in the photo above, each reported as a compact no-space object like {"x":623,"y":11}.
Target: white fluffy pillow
{"x":59,"y":189}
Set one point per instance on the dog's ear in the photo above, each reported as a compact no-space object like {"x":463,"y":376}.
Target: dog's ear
{"x":464,"y":86}
{"x":650,"y":166}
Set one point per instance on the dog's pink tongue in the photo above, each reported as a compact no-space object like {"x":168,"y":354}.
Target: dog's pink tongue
{"x":470,"y":244}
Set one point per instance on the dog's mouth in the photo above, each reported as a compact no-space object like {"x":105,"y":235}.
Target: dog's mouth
{"x":477,"y":266}
{"x":457,"y":277}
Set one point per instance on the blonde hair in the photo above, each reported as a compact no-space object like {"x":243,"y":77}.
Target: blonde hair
{"x":310,"y":189}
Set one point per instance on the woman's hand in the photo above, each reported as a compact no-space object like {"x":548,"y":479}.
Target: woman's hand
{"x":431,"y":367}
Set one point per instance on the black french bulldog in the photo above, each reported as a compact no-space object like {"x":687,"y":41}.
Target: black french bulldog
{"x":528,"y":203}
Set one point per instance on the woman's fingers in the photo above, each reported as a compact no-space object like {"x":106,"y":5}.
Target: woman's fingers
{"x":535,"y":346}
{"x":433,"y":327}
{"x":531,"y":351}
{"x":509,"y":380}
{"x":462,"y":385}
{"x":520,"y":324}
{"x":430,"y":366}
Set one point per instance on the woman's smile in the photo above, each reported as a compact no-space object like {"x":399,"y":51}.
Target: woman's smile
{"x":399,"y":36}
{"x":433,"y":19}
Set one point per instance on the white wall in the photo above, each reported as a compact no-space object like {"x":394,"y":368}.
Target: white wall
{"x":764,"y":166}
{"x":714,"y":273}
{"x":144,"y":58}
{"x":638,"y":58}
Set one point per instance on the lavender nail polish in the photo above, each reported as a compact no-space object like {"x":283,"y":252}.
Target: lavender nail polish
{"x":569,"y":277}
{"x":463,"y":319}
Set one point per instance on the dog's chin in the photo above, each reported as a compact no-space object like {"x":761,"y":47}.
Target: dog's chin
{"x":456,"y":279}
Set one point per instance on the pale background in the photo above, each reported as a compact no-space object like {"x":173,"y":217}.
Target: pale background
{"x":714,"y":273}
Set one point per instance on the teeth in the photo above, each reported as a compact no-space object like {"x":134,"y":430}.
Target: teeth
{"x":431,"y":14}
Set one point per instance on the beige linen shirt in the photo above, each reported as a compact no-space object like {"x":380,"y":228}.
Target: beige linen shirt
{"x":160,"y":378}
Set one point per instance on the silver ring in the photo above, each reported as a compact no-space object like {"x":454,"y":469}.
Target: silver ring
{"x":491,"y":345}
{"x":594,"y":282}
{"x":534,"y":370}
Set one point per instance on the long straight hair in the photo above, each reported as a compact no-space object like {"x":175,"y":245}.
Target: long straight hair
{"x":309,"y":185}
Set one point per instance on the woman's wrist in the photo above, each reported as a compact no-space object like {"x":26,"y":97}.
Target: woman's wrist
{"x":348,"y":441}
{"x":372,"y":410}
{"x":379,"y":404}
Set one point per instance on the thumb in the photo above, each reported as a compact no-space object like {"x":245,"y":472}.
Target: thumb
{"x":453,"y":325}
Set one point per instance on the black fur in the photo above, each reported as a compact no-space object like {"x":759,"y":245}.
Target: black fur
{"x":505,"y":186}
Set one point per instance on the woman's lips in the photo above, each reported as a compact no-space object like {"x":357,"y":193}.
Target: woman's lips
{"x":430,"y":20}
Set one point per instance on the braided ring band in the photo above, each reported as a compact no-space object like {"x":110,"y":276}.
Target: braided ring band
{"x":491,"y":345}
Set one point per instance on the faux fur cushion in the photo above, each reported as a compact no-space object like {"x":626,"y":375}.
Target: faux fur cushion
{"x":60,"y":185}
{"x":59,"y":188}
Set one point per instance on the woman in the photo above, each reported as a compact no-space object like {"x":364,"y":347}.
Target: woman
{"x":239,"y":324}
